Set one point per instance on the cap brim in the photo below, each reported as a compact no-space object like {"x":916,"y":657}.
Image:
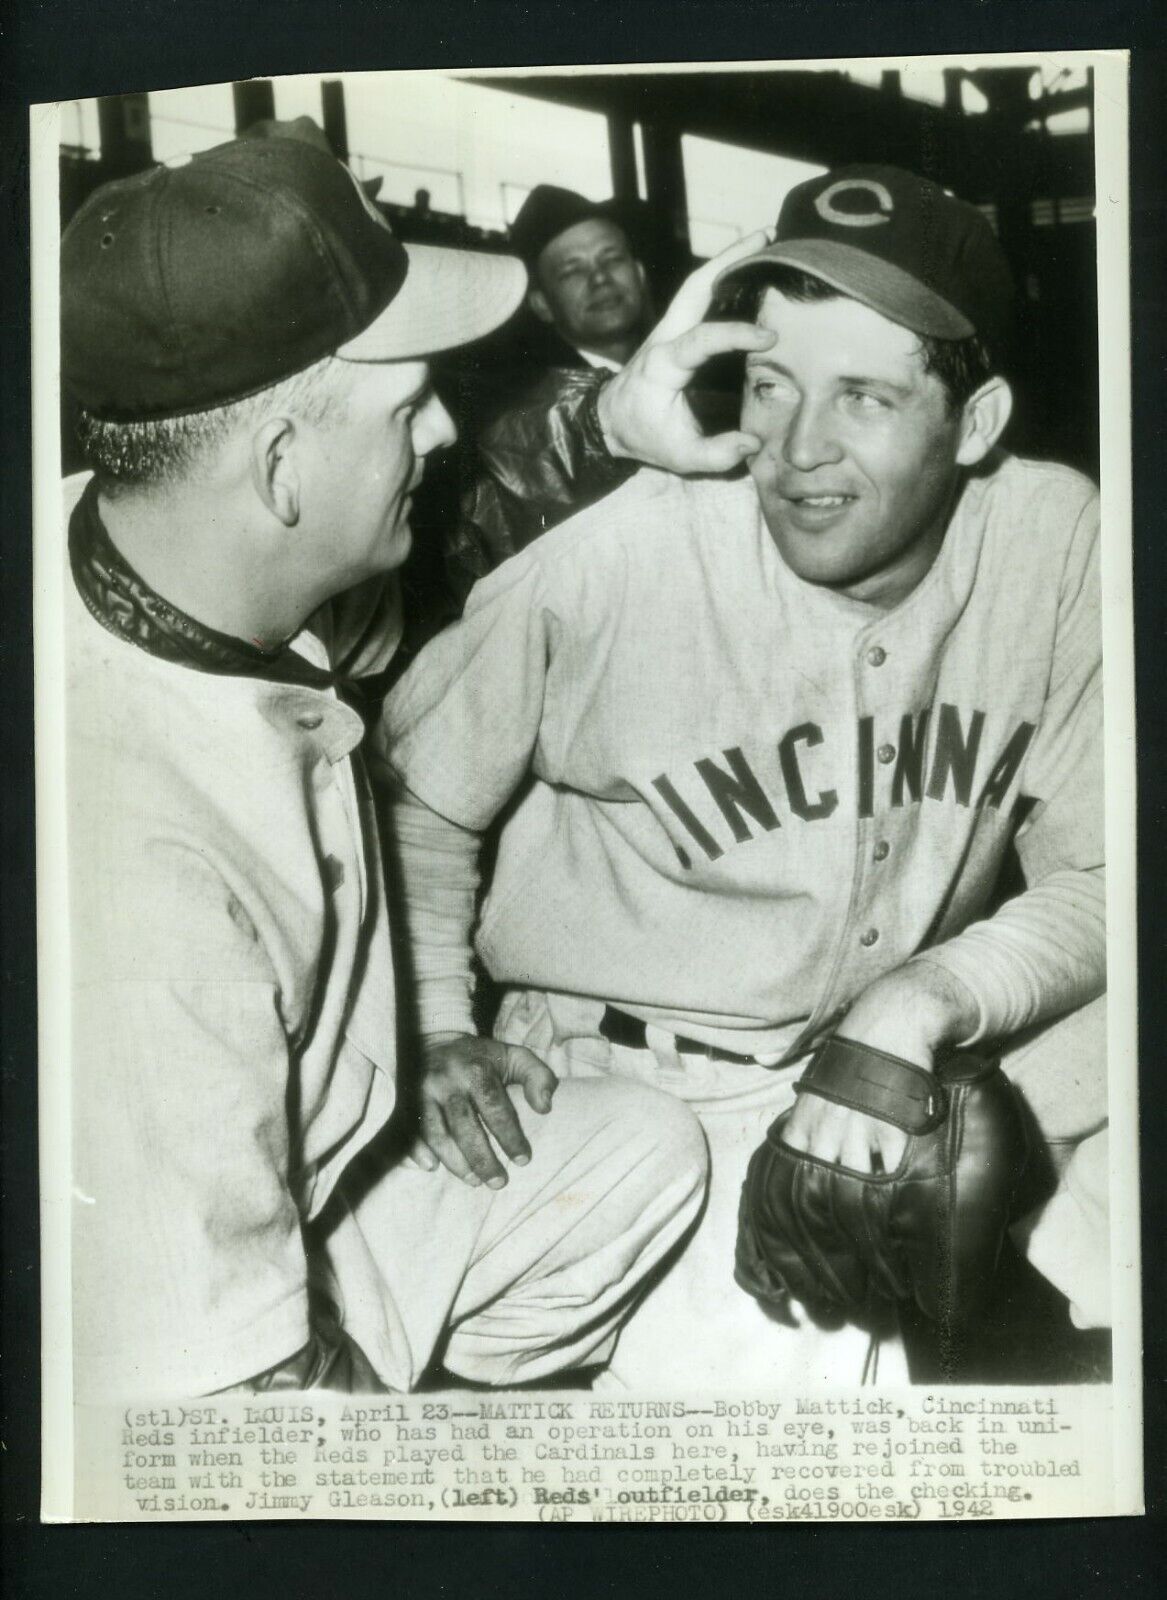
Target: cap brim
{"x":869,"y":279}
{"x":449,"y":297}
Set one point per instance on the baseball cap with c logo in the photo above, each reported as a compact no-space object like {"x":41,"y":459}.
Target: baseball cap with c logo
{"x":824,"y":203}
{"x":899,"y":244}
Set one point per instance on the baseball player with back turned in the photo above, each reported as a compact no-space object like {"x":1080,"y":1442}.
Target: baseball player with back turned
{"x":765,"y":741}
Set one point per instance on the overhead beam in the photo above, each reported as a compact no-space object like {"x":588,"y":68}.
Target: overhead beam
{"x":823,"y":117}
{"x":254,"y":100}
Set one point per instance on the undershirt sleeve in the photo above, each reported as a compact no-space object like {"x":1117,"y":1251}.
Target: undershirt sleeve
{"x":436,"y":881}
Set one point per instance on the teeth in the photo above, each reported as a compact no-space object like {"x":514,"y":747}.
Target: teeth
{"x":824,"y":499}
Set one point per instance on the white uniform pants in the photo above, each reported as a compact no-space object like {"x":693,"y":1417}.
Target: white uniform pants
{"x":696,"y":1329}
{"x":533,"y":1278}
{"x":1061,"y":1071}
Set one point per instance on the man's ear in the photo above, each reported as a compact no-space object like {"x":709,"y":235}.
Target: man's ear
{"x":983,"y":421}
{"x":540,"y":305}
{"x":274,"y":474}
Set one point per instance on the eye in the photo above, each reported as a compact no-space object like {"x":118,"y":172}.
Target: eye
{"x":418,"y":404}
{"x":761,"y":387}
{"x":863,"y":400}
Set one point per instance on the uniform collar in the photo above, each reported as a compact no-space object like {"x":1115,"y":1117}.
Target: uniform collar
{"x":124,"y":604}
{"x":600,"y":363}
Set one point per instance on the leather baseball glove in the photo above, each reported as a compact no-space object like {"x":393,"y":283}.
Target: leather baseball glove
{"x":837,"y":1239}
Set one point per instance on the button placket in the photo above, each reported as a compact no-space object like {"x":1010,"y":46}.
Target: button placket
{"x":846,"y":968}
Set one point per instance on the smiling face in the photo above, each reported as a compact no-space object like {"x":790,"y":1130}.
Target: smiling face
{"x":860,"y":448}
{"x":590,"y":285}
{"x":363,"y":466}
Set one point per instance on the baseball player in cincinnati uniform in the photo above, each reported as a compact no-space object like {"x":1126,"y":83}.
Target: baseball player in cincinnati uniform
{"x":763,"y":742}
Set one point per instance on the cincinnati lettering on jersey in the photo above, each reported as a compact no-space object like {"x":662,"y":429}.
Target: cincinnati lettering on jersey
{"x":917,"y":775}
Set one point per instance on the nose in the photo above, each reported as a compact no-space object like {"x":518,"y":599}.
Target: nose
{"x":433,"y":428}
{"x":810,"y":440}
{"x":601,"y":272}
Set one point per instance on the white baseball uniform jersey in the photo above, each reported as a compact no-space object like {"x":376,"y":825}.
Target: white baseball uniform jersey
{"x":234,"y":1049}
{"x":739,"y":797}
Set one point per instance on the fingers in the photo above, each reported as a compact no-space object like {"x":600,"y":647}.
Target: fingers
{"x":891,"y":1144}
{"x":844,"y":1137}
{"x":721,"y":453}
{"x":698,"y":345}
{"x":436,"y":1137}
{"x":468,"y":1133}
{"x":492,"y":1105}
{"x":800,"y":1126}
{"x":420,"y":1155}
{"x":691,"y":300}
{"x":536,"y":1078}
{"x":855,"y":1145}
{"x":465,"y":1105}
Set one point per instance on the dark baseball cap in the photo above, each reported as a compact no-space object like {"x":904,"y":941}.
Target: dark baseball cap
{"x":899,"y":244}
{"x":549,"y":211}
{"x":188,"y":287}
{"x":303,"y":128}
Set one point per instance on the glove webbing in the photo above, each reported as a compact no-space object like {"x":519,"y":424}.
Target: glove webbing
{"x":871,"y":1081}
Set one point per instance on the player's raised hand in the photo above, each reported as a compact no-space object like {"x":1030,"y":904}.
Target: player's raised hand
{"x":643,"y":411}
{"x":465,"y":1105}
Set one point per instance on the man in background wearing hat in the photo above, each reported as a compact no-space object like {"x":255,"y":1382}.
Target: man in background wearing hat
{"x":763,"y":742}
{"x":249,"y":343}
{"x":586,"y":284}
{"x":543,"y":456}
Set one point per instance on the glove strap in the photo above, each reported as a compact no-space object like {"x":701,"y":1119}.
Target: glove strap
{"x":881,"y":1085}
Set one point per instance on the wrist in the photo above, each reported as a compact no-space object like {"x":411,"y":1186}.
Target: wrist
{"x":441,"y":1036}
{"x":913,"y":1012}
{"x":597,"y":419}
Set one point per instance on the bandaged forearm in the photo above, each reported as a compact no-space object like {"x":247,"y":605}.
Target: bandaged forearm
{"x":1040,"y":955}
{"x":437,"y":871}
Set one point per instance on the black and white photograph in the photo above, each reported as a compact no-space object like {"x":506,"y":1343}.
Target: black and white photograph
{"x":584,"y":671}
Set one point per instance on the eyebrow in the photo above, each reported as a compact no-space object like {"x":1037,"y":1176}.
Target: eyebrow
{"x":846,"y":380}
{"x":420,"y":391}
{"x":579,"y":255}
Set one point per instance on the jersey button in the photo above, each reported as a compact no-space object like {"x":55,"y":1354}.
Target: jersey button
{"x":886,"y":753}
{"x":869,"y":937}
{"x":877,"y":655}
{"x":310,"y":720}
{"x":882,"y":850}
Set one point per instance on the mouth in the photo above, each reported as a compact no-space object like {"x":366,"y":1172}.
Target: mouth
{"x":815,"y":511}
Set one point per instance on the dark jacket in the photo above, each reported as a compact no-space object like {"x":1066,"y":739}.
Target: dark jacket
{"x":538,"y":462}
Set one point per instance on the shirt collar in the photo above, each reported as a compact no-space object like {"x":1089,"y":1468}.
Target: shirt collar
{"x":124,"y":603}
{"x":601,"y":363}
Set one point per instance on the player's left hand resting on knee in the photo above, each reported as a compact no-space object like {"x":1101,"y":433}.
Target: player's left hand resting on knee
{"x":909,"y":1013}
{"x":465,"y":1105}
